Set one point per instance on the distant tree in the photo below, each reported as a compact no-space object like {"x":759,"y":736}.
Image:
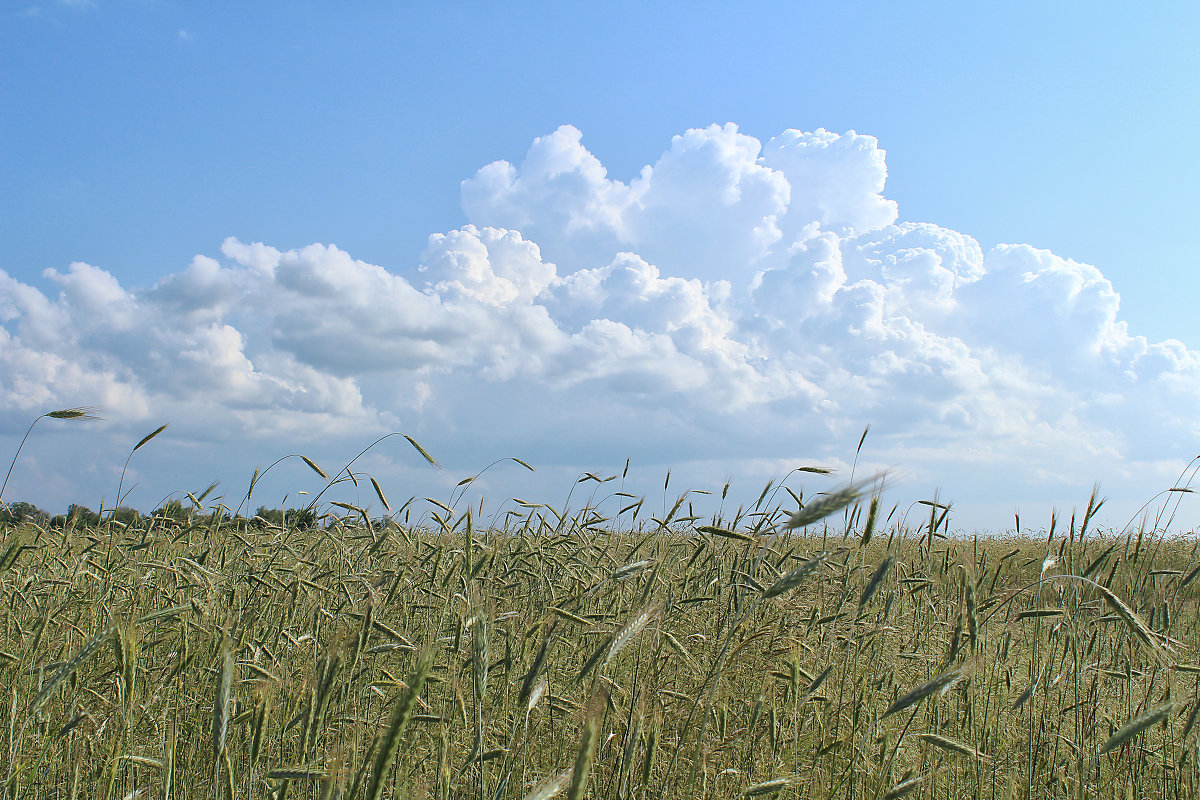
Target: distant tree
{"x":294,"y":518}
{"x":301,"y":518}
{"x":173,"y":510}
{"x":271,"y":516}
{"x":126,"y":515}
{"x":78,"y":515}
{"x":20,"y":511}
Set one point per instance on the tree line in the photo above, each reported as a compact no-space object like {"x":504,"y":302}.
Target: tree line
{"x":81,"y":516}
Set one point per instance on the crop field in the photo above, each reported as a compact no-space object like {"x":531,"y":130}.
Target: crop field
{"x":204,"y":657}
{"x":805,"y":647}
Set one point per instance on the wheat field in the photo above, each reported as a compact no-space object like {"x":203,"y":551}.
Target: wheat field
{"x":805,"y":647}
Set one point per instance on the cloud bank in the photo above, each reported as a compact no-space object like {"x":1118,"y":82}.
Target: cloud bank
{"x":739,"y":306}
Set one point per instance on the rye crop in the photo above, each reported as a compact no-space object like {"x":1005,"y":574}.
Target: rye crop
{"x":813,"y":648}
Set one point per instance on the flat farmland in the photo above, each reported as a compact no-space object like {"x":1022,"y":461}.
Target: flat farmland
{"x":807,"y":651}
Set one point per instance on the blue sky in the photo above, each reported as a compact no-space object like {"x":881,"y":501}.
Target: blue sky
{"x":137,"y":135}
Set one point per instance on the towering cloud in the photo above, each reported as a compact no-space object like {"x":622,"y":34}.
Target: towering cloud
{"x":736,"y":303}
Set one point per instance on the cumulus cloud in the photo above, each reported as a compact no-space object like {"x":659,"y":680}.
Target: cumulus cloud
{"x":713,"y":206}
{"x":735,"y":302}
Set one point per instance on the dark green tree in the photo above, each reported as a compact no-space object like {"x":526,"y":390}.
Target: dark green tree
{"x":20,"y":511}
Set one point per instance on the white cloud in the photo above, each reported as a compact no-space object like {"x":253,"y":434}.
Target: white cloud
{"x":561,"y":198}
{"x":734,"y":303}
{"x":836,"y":180}
{"x":713,"y":206}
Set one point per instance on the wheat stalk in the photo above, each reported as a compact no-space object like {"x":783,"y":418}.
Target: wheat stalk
{"x":81,"y":413}
{"x":401,"y":711}
{"x":1137,"y":725}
